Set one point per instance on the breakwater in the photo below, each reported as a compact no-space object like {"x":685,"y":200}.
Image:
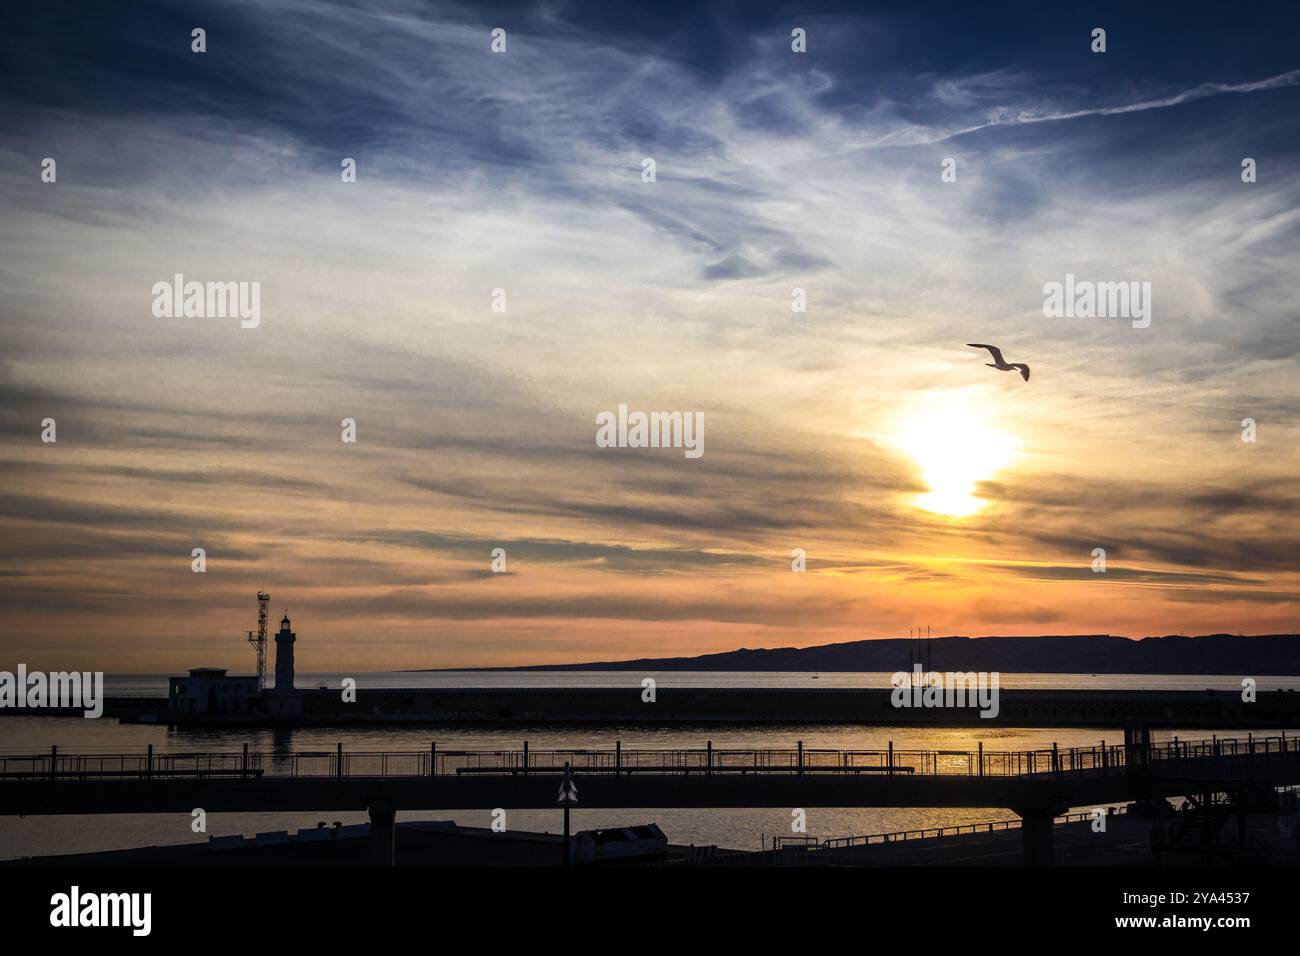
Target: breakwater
{"x":540,"y":706}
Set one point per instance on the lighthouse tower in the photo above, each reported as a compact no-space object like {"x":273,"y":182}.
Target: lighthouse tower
{"x":284,"y":658}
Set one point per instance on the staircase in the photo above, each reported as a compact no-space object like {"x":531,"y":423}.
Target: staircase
{"x":1199,"y":829}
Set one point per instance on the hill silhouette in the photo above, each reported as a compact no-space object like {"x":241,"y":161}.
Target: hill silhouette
{"x":1264,"y":654}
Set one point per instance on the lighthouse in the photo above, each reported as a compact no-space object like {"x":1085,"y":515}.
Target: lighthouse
{"x":284,"y":658}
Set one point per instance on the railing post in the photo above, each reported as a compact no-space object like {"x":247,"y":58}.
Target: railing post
{"x":1056,"y":760}
{"x":708,"y":760}
{"x":891,"y":758}
{"x":433,"y":758}
{"x":1105,"y":758}
{"x":618,"y":758}
{"x":54,"y":761}
{"x":243,"y":766}
{"x":525,"y":758}
{"x":338,"y":760}
{"x":801,"y":758}
{"x":149,"y":764}
{"x":981,"y":758}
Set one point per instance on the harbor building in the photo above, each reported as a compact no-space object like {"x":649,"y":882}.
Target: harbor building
{"x":208,"y":690}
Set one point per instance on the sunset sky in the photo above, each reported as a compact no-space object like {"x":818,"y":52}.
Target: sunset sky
{"x":825,"y":430}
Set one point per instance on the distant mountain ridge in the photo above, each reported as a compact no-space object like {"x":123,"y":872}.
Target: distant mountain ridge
{"x":1264,"y":654}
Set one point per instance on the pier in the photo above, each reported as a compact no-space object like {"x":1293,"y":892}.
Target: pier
{"x":1036,"y":785}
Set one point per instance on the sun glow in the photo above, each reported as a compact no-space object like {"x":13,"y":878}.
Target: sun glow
{"x":955,"y":450}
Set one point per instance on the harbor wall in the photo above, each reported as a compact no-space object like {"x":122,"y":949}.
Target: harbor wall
{"x":530,"y":706}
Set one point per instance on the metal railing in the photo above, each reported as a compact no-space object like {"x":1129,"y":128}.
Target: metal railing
{"x":935,"y":833}
{"x":1212,"y":757}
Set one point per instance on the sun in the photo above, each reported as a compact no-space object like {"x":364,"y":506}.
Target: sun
{"x":955,"y":448}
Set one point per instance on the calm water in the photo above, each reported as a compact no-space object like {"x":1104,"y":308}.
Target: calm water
{"x":744,"y":829}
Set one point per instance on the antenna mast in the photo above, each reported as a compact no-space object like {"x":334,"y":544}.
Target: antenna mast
{"x":259,"y":640}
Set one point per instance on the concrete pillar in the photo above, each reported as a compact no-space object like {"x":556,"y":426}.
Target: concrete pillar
{"x":568,"y":840}
{"x":1036,"y":836}
{"x":383,"y":833}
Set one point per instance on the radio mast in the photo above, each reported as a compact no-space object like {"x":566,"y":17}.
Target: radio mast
{"x":258,"y":640}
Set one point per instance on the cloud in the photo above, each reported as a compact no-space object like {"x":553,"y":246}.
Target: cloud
{"x":522,"y":172}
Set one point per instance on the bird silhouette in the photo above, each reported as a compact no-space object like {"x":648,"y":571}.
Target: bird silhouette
{"x":1001,"y":364}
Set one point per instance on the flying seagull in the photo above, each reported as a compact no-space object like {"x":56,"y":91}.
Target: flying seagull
{"x":999,"y":362}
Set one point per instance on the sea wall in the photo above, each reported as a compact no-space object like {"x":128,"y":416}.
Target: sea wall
{"x":523,"y":706}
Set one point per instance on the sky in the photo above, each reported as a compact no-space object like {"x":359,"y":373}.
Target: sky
{"x":923,"y":487}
